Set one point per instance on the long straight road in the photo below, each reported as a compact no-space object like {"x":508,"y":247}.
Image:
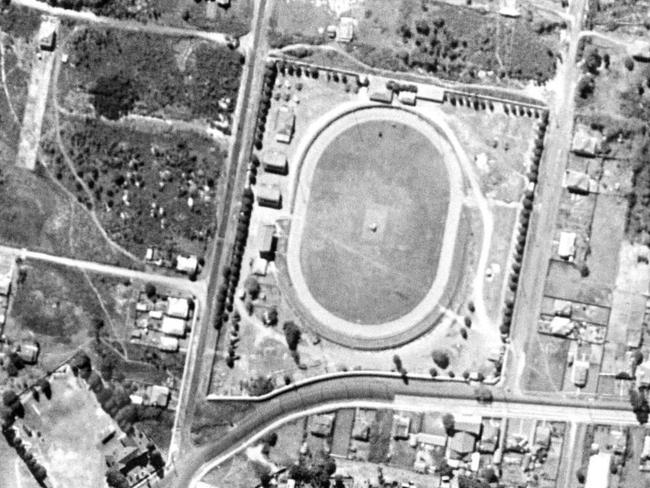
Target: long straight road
{"x":538,"y":251}
{"x":197,"y":288}
{"x":127,"y":25}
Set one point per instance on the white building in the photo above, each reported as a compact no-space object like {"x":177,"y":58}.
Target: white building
{"x":598,"y":470}
{"x":178,"y":307}
{"x":173,"y":326}
{"x":187,"y":264}
{"x":566,"y":248}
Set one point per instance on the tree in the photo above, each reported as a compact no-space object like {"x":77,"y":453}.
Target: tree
{"x":115,"y":479}
{"x":483,"y":394}
{"x":292,"y":334}
{"x":441,"y":358}
{"x":252,"y":287}
{"x":261,"y":385}
{"x":44,"y":385}
{"x":397,"y":361}
{"x":150,"y":290}
{"x":433,"y":372}
{"x":580,"y":475}
{"x":9,"y":398}
{"x":593,"y":60}
{"x":448,"y":423}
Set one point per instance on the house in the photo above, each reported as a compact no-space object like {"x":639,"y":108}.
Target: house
{"x":401,"y":426}
{"x":285,"y":122}
{"x":173,"y":326}
{"x":508,"y":8}
{"x":566,"y":248}
{"x":578,"y":182}
{"x":642,"y":374}
{"x":345,"y":29}
{"x":585,"y":141}
{"x":383,"y":95}
{"x":598,"y":471}
{"x":639,"y":50}
{"x":543,"y":436}
{"x":580,"y":372}
{"x":28,"y":351}
{"x":275,"y":162}
{"x":489,"y":438}
{"x":361,"y":431}
{"x":431,"y":93}
{"x":266,"y":241}
{"x":260,"y":266}
{"x":187,"y":264}
{"x":168,"y":344}
{"x":223,"y":3}
{"x":468,"y":423}
{"x":155,"y":314}
{"x":47,"y":35}
{"x":322,"y":425}
{"x":462,"y":444}
{"x":269,"y":196}
{"x":157,"y":396}
{"x":178,"y":307}
{"x":561,"y":326}
{"x":407,"y":97}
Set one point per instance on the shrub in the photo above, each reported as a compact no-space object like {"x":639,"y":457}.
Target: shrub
{"x":292,"y":335}
{"x":440,"y":358}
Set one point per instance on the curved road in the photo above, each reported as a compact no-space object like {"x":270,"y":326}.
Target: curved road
{"x":418,"y":393}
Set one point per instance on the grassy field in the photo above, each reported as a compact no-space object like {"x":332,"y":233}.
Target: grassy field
{"x":545,"y":368}
{"x":70,"y":426}
{"x":361,"y":275}
{"x":146,"y":189}
{"x":149,"y":74}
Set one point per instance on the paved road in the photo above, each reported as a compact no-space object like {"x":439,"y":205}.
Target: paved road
{"x":329,"y":394}
{"x":128,"y":25}
{"x":203,"y":345}
{"x":197,"y":288}
{"x":547,"y":202}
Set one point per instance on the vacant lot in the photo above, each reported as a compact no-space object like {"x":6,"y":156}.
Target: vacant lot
{"x":147,"y":189}
{"x":18,"y":27}
{"x":365,"y":275}
{"x":56,"y":306}
{"x":70,"y":425}
{"x":127,"y":72}
{"x":545,"y":368}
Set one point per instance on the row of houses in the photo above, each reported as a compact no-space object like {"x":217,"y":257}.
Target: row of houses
{"x":162,"y":323}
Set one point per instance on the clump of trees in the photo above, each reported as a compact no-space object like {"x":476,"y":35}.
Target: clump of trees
{"x":292,"y":334}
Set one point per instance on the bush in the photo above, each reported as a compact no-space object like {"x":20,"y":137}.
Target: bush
{"x":440,"y":358}
{"x":292,"y":335}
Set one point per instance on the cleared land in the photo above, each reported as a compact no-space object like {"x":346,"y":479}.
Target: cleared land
{"x":399,"y":190}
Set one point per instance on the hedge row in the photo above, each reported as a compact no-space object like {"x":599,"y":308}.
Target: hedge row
{"x":524,"y":221}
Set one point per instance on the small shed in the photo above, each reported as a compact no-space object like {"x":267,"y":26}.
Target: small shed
{"x":275,"y":162}
{"x":566,"y":248}
{"x":345,"y":29}
{"x":168,"y":344}
{"x":383,"y":96}
{"x":173,"y":326}
{"x":580,"y":372}
{"x":586,"y":142}
{"x":407,"y":97}
{"x":269,"y":196}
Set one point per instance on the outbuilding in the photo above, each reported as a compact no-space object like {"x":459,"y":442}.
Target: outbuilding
{"x":266,"y":241}
{"x":285,"y":123}
{"x":566,"y":248}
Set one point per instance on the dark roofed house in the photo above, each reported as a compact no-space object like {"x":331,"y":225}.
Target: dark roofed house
{"x":275,"y":162}
{"x":383,"y":96}
{"x":462,"y":444}
{"x":321,"y":425}
{"x":266,"y":241}
{"x":269,"y":196}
